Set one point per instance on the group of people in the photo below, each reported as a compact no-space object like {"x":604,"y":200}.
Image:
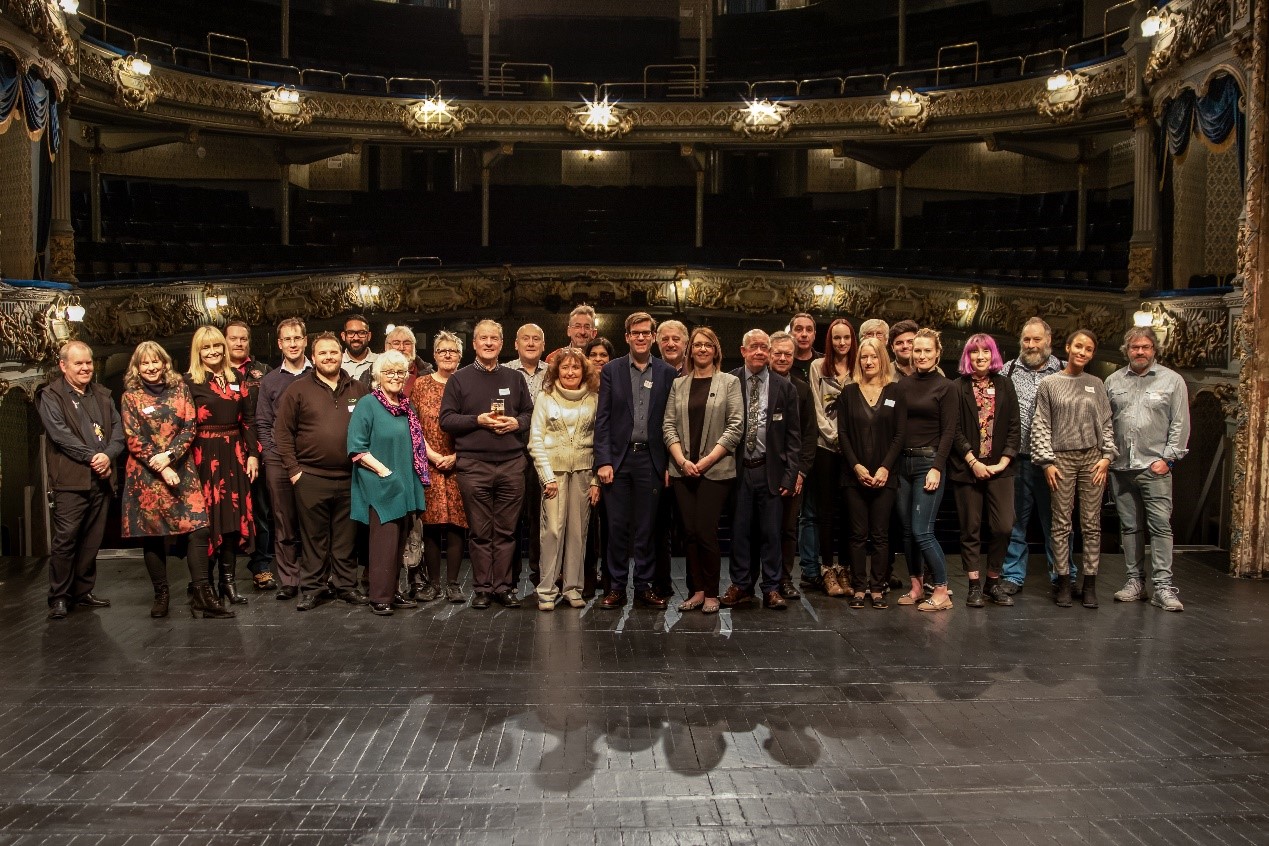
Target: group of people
{"x":342,"y":459}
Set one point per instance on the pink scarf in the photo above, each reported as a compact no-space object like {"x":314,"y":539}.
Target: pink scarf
{"x":418,"y":445}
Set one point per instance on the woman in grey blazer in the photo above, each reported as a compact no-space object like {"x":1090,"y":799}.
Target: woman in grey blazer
{"x":704,"y":422}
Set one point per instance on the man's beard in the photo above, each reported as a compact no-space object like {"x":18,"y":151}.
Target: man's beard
{"x":1035,"y":360}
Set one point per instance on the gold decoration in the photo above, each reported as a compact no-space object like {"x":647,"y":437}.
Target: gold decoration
{"x":435,"y":118}
{"x":1191,"y":32}
{"x":600,"y":120}
{"x":1064,"y":97}
{"x":1140,"y":267}
{"x":286,"y":109}
{"x":763,"y":119}
{"x":44,"y":19}
{"x":906,"y":111}
{"x":1193,"y":336}
{"x":133,"y":89}
{"x":61,"y":252}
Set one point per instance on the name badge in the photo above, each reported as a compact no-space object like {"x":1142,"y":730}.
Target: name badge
{"x":235,"y":387}
{"x":351,"y":407}
{"x":647,"y":383}
{"x":991,"y":392}
{"x":149,"y":409}
{"x":889,"y":403}
{"x":777,"y":417}
{"x":504,"y":392}
{"x":1090,"y":389}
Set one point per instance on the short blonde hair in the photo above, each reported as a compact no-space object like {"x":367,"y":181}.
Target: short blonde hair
{"x":202,"y":336}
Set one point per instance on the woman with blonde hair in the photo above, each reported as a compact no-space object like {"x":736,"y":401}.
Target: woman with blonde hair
{"x":704,"y":423}
{"x":561,"y":443}
{"x":225,"y":453}
{"x":162,"y":495}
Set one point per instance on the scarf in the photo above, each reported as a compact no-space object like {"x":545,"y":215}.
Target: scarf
{"x":417,"y":444}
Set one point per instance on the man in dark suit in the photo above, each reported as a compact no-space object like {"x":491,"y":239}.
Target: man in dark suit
{"x":769,"y":459}
{"x":782,"y":352}
{"x":631,"y":460}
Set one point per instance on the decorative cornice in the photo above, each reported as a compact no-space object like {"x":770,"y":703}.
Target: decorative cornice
{"x":1198,"y":27}
{"x":1065,"y":104}
{"x":44,"y":20}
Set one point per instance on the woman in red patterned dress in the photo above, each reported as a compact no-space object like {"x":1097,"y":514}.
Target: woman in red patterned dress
{"x":162,"y":497}
{"x":444,"y":517}
{"x":225,"y":454}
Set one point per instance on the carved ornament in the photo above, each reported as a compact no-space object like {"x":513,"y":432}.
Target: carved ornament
{"x":1193,"y":336}
{"x":45,"y":20}
{"x":286,"y":109}
{"x":1064,"y":104}
{"x":600,"y":121}
{"x":1140,"y":267}
{"x":1189,"y":33}
{"x":133,"y":90}
{"x":906,"y":111}
{"x":763,"y":119}
{"x":435,"y":118}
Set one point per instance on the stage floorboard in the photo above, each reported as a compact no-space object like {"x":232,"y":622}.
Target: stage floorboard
{"x":817,"y":725}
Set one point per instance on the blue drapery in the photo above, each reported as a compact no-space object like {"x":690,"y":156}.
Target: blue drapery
{"x":9,"y":89}
{"x":37,"y":100}
{"x":35,"y":105}
{"x":1215,"y":116}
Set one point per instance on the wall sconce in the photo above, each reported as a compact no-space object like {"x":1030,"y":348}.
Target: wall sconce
{"x":591,"y":155}
{"x":906,"y":110}
{"x":214,"y":301}
{"x":285,"y":108}
{"x":1156,"y":21}
{"x":75,"y":312}
{"x":1171,"y":47}
{"x":434,"y":117}
{"x":825,"y":290}
{"x":681,"y":286}
{"x":962,"y":305}
{"x":1149,"y":315}
{"x":135,"y":87}
{"x":762,"y":119}
{"x":1064,"y":97}
{"x":599,"y":120}
{"x":70,"y":7}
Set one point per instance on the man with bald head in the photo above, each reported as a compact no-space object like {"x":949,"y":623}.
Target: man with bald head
{"x":85,"y":438}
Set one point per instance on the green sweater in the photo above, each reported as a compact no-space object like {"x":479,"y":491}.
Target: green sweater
{"x":375,"y":430}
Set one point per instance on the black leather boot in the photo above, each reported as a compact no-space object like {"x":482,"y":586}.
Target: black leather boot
{"x":228,"y":582}
{"x":161,"y":599}
{"x":974,"y":599}
{"x":1089,"y":600}
{"x":1063,"y":596}
{"x":206,"y":605}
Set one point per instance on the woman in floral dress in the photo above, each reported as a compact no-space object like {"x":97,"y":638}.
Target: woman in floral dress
{"x":444,"y":517}
{"x":225,"y":454}
{"x":162,"y":497}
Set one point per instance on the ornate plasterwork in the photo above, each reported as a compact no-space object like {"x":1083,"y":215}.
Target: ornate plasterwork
{"x":32,"y":324}
{"x":279,"y":112}
{"x":1065,"y":104}
{"x":425,"y":119}
{"x":1140,"y":267}
{"x":906,"y":111}
{"x":1065,"y":312}
{"x":61,"y":257}
{"x":44,"y":19}
{"x":763,"y":119}
{"x":600,"y":121}
{"x":133,"y":90}
{"x":1192,"y":31}
{"x":1195,"y":334}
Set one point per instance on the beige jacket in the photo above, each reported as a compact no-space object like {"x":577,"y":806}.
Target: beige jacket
{"x":724,"y":422}
{"x":562,"y":434}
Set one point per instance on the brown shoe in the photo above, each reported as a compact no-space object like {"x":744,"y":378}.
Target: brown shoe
{"x":832,"y":586}
{"x":264,"y":581}
{"x":843,"y":579}
{"x":649,"y":599}
{"x":735,"y":596}
{"x":775,"y":601}
{"x":613,"y":600}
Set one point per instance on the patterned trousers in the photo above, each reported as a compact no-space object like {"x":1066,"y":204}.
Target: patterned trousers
{"x":1076,"y":485}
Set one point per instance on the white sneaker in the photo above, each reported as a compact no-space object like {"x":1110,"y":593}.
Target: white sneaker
{"x":1165,"y":597}
{"x":1131,"y":592}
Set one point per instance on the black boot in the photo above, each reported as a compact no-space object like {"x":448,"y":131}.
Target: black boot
{"x":206,"y":605}
{"x":228,"y":581}
{"x":974,"y":599}
{"x":1063,"y":595}
{"x":161,"y":599}
{"x":413,"y":581}
{"x":995,"y":591}
{"x":1089,"y":599}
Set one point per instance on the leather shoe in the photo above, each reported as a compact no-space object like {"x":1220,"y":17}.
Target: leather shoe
{"x":480,"y":599}
{"x":353,"y":597}
{"x":613,"y":600}
{"x":649,"y":599}
{"x":400,"y":603}
{"x":507,"y":599}
{"x":286,"y":592}
{"x":382,"y":609}
{"x":775,"y":601}
{"x":57,"y":611}
{"x":735,"y":596}
{"x":788,"y":591}
{"x":307,"y":602}
{"x":88,"y":600}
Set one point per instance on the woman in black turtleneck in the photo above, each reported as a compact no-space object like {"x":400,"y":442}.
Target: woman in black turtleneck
{"x":931,"y":405}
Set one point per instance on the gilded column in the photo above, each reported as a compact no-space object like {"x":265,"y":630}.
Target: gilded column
{"x":1145,"y":203}
{"x":1250,"y":504}
{"x":61,"y":238}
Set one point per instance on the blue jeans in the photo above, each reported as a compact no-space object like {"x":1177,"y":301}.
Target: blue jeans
{"x":918,"y":510}
{"x":1031,"y":494}
{"x":1144,"y":502}
{"x":809,"y":534}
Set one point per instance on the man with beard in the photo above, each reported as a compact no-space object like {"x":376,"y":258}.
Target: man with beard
{"x":292,"y":341}
{"x":310,"y":437}
{"x":902,"y":334}
{"x":1031,"y":492}
{"x":1152,"y":430}
{"x":238,"y":343}
{"x":356,"y":335}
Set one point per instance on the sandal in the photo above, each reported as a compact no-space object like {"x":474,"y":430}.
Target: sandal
{"x":710,"y":607}
{"x":857,"y":600}
{"x":691,"y":605}
{"x":931,"y":605}
{"x":879,"y":600}
{"x":908,"y":599}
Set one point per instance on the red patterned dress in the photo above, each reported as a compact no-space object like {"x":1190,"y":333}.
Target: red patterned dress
{"x":444,"y":501}
{"x":226,"y":437}
{"x":154,"y":424}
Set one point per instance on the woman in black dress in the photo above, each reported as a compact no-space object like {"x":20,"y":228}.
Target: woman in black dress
{"x":225,"y":454}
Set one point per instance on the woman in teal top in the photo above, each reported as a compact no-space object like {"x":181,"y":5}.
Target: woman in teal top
{"x":386,"y":443}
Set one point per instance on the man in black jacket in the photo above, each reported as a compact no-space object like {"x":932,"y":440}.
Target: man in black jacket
{"x":782,"y":351}
{"x":85,"y":438}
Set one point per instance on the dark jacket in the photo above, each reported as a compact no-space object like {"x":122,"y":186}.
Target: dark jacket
{"x":614,"y":417}
{"x":806,"y":416}
{"x":873,"y":439}
{"x":469,"y":394}
{"x":70,"y":446}
{"x":784,"y":430}
{"x":310,"y":431}
{"x":1006,"y":431}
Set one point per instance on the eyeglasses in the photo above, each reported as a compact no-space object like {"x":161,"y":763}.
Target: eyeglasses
{"x":394,"y":374}
{"x":640,"y":333}
{"x":356,"y":333}
{"x":447,"y":352}
{"x":702,"y":345}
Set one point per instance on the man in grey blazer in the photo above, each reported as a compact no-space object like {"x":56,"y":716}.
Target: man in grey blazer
{"x":769,"y":458}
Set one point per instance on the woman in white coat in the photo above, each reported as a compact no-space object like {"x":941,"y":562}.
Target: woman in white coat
{"x":561,"y":443}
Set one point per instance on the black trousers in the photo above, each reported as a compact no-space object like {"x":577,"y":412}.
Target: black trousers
{"x":531,"y":519}
{"x":789,"y":533}
{"x":827,"y":473}
{"x":286,"y":540}
{"x":79,"y":524}
{"x":701,"y":503}
{"x":387,"y":544}
{"x":492,"y":493}
{"x":328,"y":536}
{"x":870,"y":510}
{"x":991,"y":499}
{"x":669,"y":526}
{"x":632,"y":508}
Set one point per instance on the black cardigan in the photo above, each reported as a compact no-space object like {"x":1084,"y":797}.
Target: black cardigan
{"x":872,"y":439}
{"x":1006,"y":433}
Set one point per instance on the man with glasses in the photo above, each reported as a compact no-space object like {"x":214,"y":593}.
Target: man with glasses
{"x":782,"y":348}
{"x":486,"y":408}
{"x":357,"y":358}
{"x":401,"y":339}
{"x":581,"y":330}
{"x":631,"y":460}
{"x":293,"y":342}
